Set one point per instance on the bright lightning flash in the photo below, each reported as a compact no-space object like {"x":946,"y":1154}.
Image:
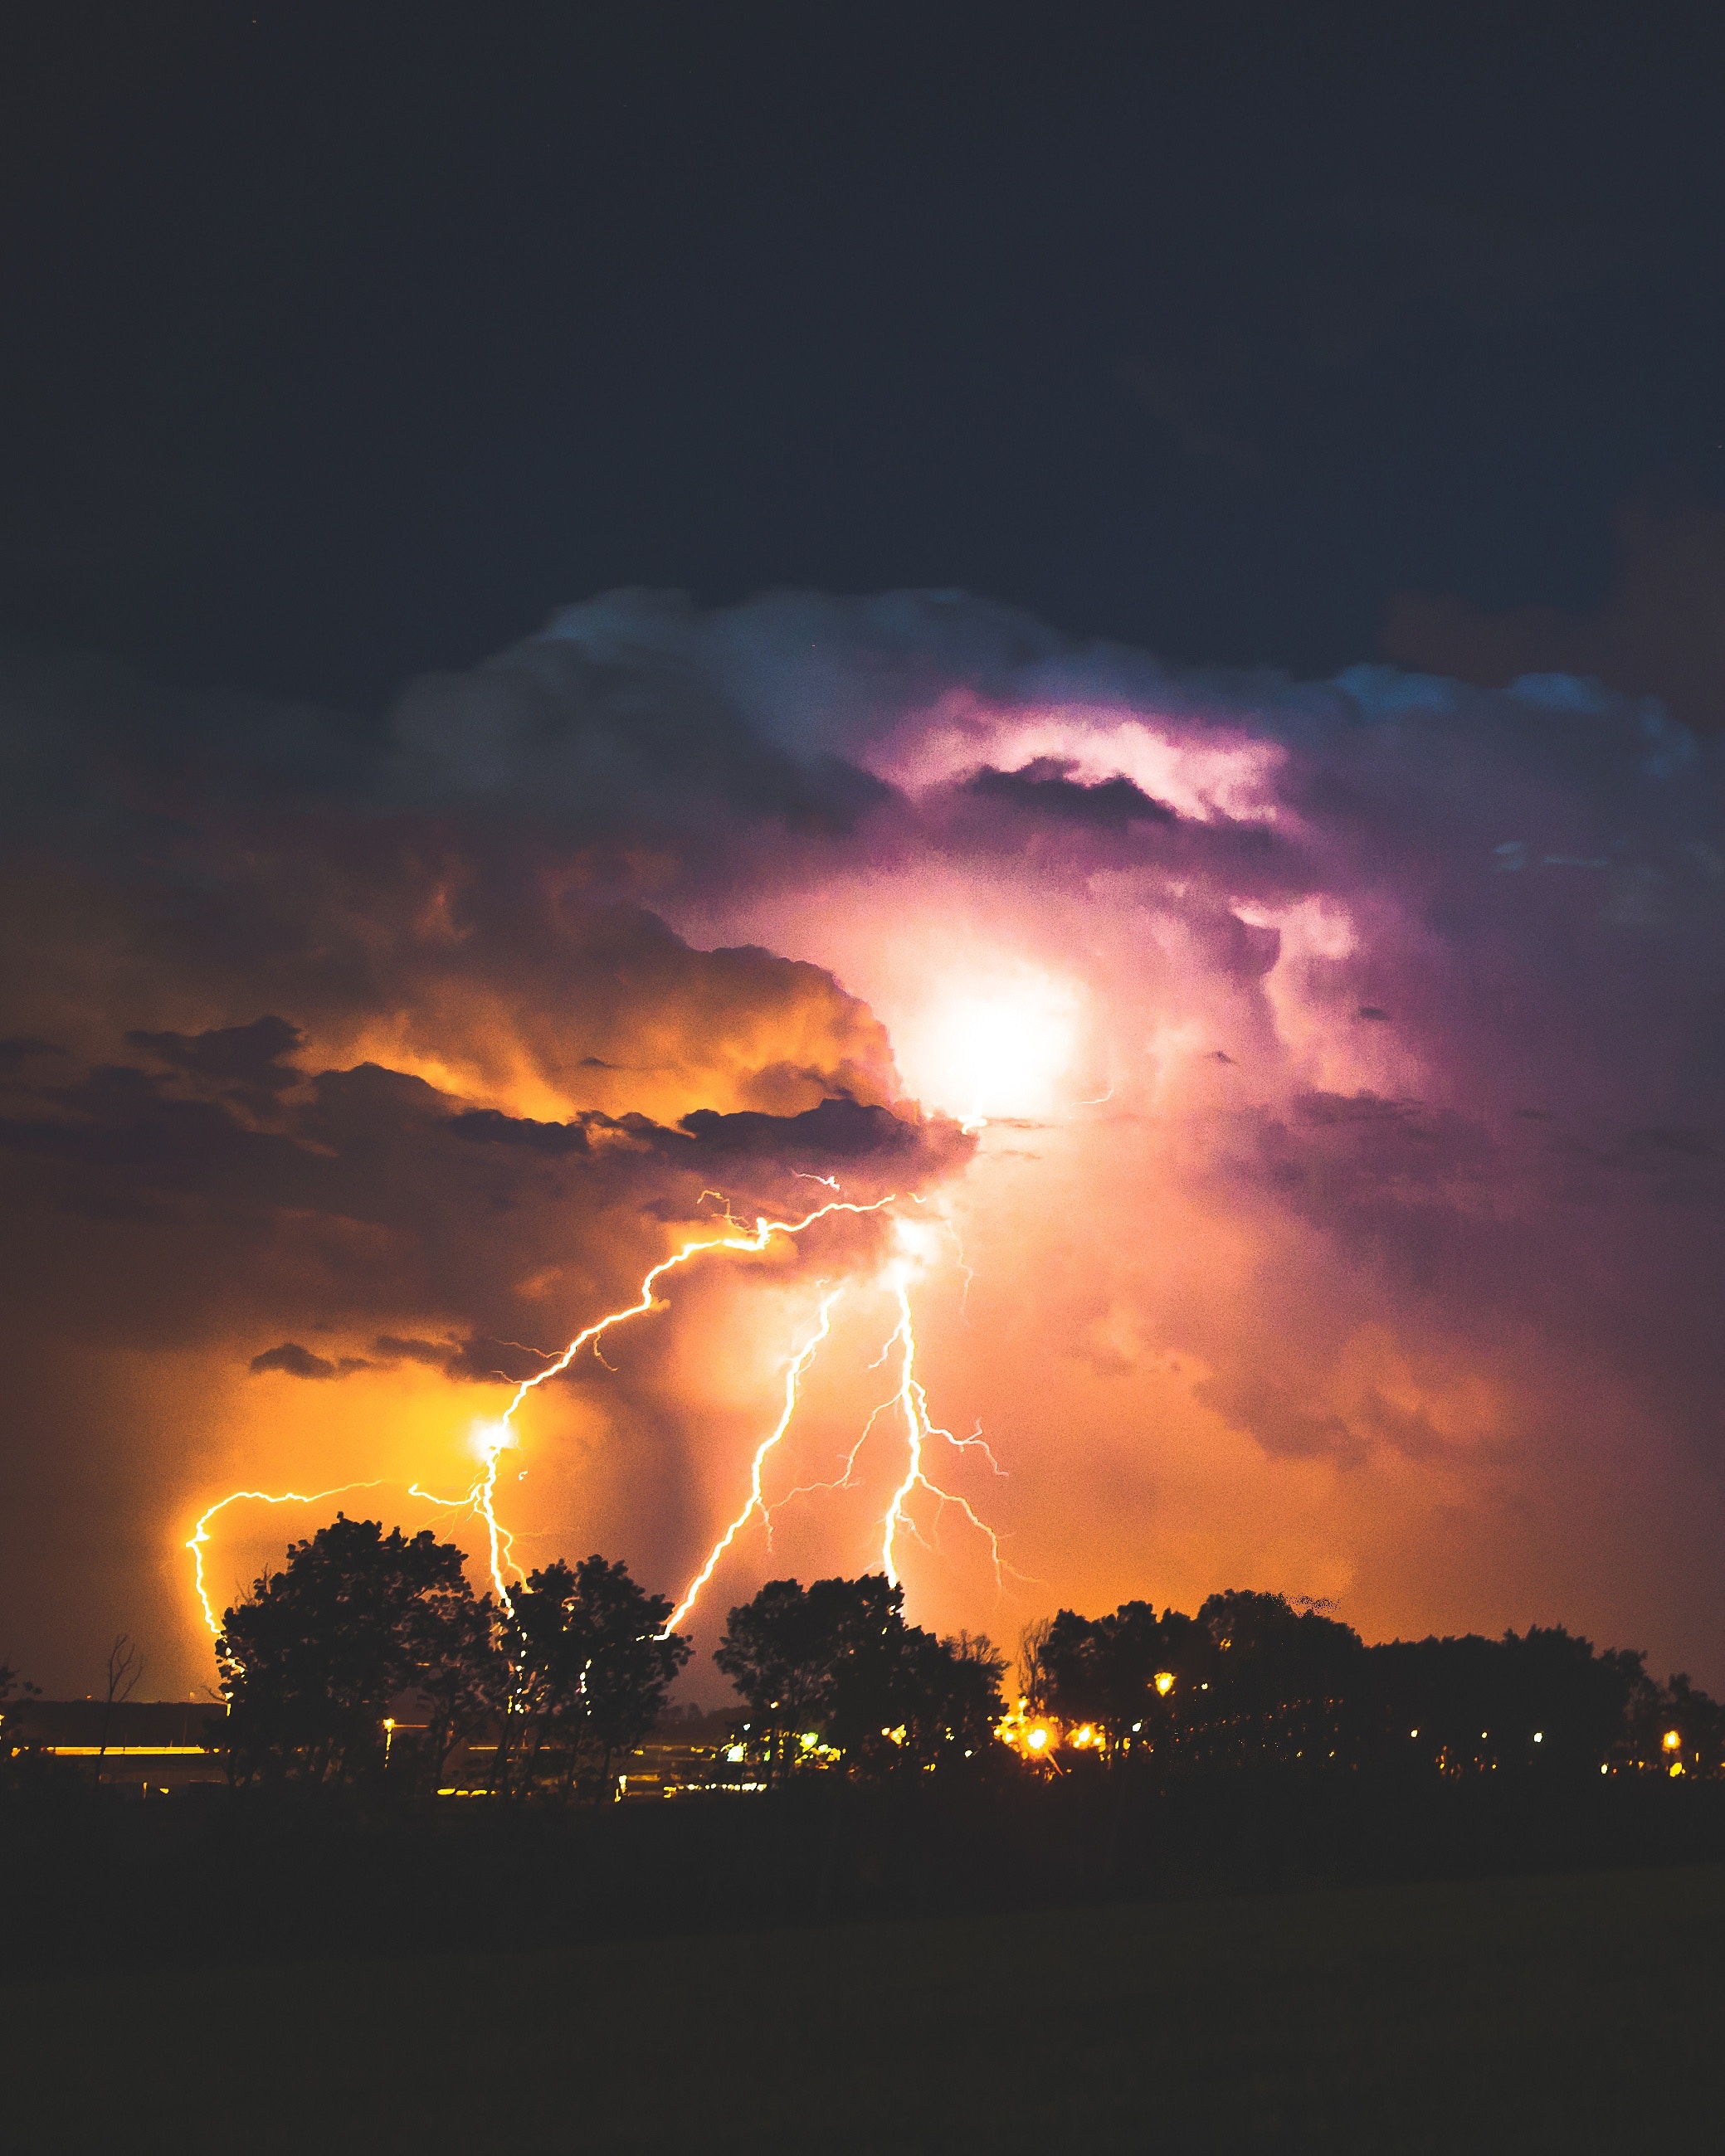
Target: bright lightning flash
{"x":199,"y":1540}
{"x":916,"y":1244}
{"x":917,"y":1240}
{"x":995,"y":1042}
{"x":502,"y":1434}
{"x":758,"y":1503}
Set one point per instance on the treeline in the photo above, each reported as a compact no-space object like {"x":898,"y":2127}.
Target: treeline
{"x":833,"y":1675}
{"x":369,"y":1655}
{"x":1250,"y":1680}
{"x":357,"y":1623}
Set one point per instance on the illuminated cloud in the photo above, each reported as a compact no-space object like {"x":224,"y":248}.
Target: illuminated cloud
{"x":1340,"y":1210}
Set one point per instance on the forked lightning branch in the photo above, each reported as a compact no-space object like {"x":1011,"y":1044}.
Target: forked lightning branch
{"x":915,"y":1249}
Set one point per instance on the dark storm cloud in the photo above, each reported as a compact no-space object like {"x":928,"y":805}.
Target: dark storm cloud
{"x":1046,"y":788}
{"x":1658,"y":630}
{"x":1599,"y":1241}
{"x":492,"y":1127}
{"x":251,"y":1055}
{"x":117,"y":1137}
{"x":395,"y":1196}
{"x":841,"y":1131}
{"x":488,"y":857}
{"x":410,"y":1050}
{"x":293,"y":1361}
{"x":612,"y":742}
{"x":392,"y":1349}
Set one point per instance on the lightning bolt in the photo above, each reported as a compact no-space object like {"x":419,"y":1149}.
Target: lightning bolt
{"x":843,"y":1481}
{"x":1097,"y":1103}
{"x":756,"y":1503}
{"x":494,"y":1439}
{"x":497,"y":1438}
{"x":199,"y":1539}
{"x":912,"y":1402}
{"x":910,"y":1398}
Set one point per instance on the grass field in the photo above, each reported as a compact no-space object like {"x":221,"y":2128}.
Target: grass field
{"x":1562,"y":2015}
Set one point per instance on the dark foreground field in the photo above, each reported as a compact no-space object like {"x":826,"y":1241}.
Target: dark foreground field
{"x":1561,"y":2014}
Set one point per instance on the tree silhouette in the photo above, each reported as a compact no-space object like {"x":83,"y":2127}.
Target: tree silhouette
{"x":580,"y":1668}
{"x":1545,"y":1698}
{"x":1700,"y":1723}
{"x":837,"y":1661}
{"x":773,"y":1651}
{"x":16,"y":1693}
{"x":865,"y":1696}
{"x":125,"y":1667}
{"x":311,"y":1663}
{"x":593,"y":1666}
{"x":1279,"y":1680}
{"x":1032,"y":1666}
{"x":1252,"y":1679}
{"x":952,"y":1693}
{"x":1105,"y":1672}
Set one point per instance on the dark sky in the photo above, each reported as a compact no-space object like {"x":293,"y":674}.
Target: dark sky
{"x":344,"y":342}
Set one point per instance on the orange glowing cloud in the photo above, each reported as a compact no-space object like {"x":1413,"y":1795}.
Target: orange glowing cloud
{"x":1335,"y":1211}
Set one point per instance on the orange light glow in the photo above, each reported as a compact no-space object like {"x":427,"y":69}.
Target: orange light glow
{"x":482,"y":1495}
{"x":757,"y":1502}
{"x":912,"y":1402}
{"x":198,"y":1541}
{"x":491,"y":1439}
{"x":917,"y":1245}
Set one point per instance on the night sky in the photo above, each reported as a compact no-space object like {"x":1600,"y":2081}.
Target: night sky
{"x":1111,"y":624}
{"x":347,"y":342}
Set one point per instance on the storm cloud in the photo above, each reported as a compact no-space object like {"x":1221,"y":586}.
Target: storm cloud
{"x":1318,"y":1084}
